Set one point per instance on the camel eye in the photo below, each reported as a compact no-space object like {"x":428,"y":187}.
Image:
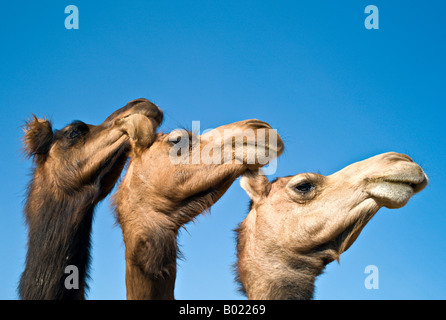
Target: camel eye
{"x":78,"y":128}
{"x":73,"y":134}
{"x":179,"y":137}
{"x":305,"y":187}
{"x":175,"y":139}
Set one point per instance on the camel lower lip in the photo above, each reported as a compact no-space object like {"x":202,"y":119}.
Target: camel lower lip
{"x":409,"y":184}
{"x":416,"y":186}
{"x":400,"y":181}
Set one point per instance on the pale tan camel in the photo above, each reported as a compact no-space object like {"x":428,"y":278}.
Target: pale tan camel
{"x":158,"y":195}
{"x":299,"y":224}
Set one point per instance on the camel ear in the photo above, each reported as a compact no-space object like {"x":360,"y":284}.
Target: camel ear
{"x":256,"y":184}
{"x":38,"y":137}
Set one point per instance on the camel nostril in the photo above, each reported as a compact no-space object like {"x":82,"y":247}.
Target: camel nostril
{"x":159,"y":117}
{"x":407,"y":158}
{"x":257,"y":124}
{"x":393,"y":156}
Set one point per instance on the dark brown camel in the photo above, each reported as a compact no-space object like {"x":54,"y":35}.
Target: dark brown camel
{"x":75,"y":168}
{"x":161,"y":192}
{"x":298,"y":224}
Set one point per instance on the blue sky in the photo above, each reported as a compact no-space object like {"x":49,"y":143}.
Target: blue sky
{"x":335,"y":91}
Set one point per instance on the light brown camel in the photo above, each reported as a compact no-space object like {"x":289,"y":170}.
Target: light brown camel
{"x":166,"y":186}
{"x":299,"y":224}
{"x":75,"y":168}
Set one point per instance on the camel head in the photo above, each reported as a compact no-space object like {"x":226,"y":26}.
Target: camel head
{"x":307,"y":220}
{"x":182,"y":174}
{"x":178,"y":177}
{"x":82,"y":154}
{"x":75,"y":168}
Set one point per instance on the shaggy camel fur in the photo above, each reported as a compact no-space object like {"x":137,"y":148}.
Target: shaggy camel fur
{"x":158,"y":195}
{"x":75,"y":168}
{"x":299,"y":224}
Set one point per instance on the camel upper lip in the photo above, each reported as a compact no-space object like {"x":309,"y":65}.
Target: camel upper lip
{"x":157,"y":116}
{"x":139,"y":106}
{"x":417,"y":183}
{"x":150,"y":114}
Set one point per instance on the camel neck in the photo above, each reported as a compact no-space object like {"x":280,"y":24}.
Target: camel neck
{"x":273,"y":279}
{"x":143,"y":286}
{"x":266,"y":273}
{"x":58,"y":237}
{"x":151,"y":252}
